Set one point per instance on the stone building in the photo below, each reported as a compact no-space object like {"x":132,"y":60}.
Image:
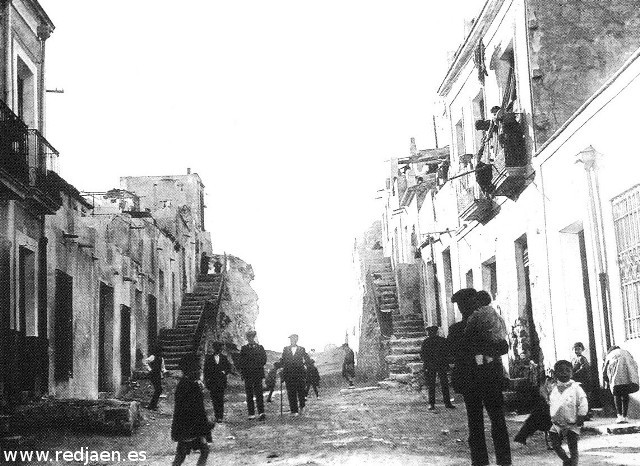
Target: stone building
{"x":29,"y":194}
{"x":90,"y":281}
{"x":538,"y":201}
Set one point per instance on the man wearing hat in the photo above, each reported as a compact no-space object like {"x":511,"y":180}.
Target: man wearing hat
{"x":216,"y":368}
{"x":435,"y":357}
{"x":480,"y":386}
{"x":252,"y":358}
{"x":294,"y":360}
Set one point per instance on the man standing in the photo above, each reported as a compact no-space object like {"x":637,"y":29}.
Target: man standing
{"x":293,"y":361}
{"x":480,"y":383}
{"x":349,"y":364}
{"x":216,"y":368}
{"x":253,"y":357}
{"x":435,"y":356}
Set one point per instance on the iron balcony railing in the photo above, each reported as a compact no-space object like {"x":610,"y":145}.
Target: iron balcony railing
{"x":24,"y":153}
{"x":43,"y":157}
{"x":14,"y":144}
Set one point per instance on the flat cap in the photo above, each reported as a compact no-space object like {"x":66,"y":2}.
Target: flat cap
{"x":293,"y":335}
{"x":464,"y":295}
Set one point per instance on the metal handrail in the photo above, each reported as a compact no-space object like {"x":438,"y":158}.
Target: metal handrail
{"x":210,"y":307}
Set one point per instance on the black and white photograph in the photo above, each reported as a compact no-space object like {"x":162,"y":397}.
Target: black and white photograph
{"x":290,"y":232}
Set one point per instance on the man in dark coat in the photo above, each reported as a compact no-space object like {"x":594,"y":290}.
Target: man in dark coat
{"x":156,"y":364}
{"x":435,"y":356}
{"x":349,"y":364}
{"x":481,"y":387}
{"x":190,"y":426}
{"x":294,"y":360}
{"x":216,"y":368}
{"x":253,"y":357}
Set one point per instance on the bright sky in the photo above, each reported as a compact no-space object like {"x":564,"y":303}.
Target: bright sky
{"x":287,"y":109}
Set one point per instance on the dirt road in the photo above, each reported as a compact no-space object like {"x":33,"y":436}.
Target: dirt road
{"x":377,"y":427}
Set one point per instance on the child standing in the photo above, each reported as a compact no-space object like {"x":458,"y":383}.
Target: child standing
{"x":313,"y":377}
{"x":270,"y":380}
{"x":190,"y":427}
{"x":568,"y":409}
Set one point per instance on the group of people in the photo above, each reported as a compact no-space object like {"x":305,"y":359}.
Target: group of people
{"x":191,"y":428}
{"x":475,"y":346}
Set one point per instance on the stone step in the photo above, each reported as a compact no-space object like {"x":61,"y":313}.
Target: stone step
{"x":415,"y":367}
{"x":402,"y":358}
{"x":405,"y":341}
{"x":405,"y":349}
{"x":402,"y":378}
{"x":402,"y":334}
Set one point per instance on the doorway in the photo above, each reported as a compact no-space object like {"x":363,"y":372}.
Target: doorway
{"x":63,"y":327}
{"x":105,"y":339}
{"x":152,"y":326}
{"x":125,"y":342}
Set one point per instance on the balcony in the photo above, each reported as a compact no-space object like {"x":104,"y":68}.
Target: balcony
{"x":473,"y":203}
{"x":14,"y":146}
{"x":43,"y":165}
{"x":27,"y":164}
{"x":512,"y":171}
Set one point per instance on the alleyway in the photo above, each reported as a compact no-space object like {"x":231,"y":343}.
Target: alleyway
{"x":369,"y":427}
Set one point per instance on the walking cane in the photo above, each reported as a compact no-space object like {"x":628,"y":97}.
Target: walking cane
{"x":280,"y":394}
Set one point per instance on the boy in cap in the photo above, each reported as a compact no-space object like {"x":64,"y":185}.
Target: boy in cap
{"x":435,"y":357}
{"x":313,"y":378}
{"x":253,"y":357}
{"x":190,"y":426}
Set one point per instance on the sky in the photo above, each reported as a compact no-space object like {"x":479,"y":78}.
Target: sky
{"x":287,"y":109}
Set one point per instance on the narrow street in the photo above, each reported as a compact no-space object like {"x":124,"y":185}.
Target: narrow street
{"x":376,"y":427}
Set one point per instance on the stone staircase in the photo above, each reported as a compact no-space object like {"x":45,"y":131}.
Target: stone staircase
{"x":407,"y":332}
{"x":196,"y":306}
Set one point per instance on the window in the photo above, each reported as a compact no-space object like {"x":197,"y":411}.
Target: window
{"x":479,"y":113}
{"x":460,"y":138}
{"x":490,"y":277}
{"x":25,"y":93}
{"x":469,"y":278}
{"x":626,"y":220}
{"x":506,"y":75}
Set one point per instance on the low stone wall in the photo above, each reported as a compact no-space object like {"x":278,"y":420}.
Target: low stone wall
{"x":102,"y":416}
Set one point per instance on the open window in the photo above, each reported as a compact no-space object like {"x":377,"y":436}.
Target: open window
{"x":25,"y":93}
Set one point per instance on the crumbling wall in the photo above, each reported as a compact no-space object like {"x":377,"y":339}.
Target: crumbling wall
{"x":238,"y":309}
{"x":575,"y":46}
{"x":373,"y":348}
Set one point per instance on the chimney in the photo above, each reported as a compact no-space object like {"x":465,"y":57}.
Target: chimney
{"x":188,"y":171}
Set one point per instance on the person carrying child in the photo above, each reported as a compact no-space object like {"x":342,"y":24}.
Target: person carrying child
{"x":313,"y":377}
{"x":190,"y":426}
{"x":485,"y":331}
{"x":568,"y":408}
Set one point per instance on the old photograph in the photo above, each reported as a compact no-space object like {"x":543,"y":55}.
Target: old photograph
{"x":350,"y":232}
